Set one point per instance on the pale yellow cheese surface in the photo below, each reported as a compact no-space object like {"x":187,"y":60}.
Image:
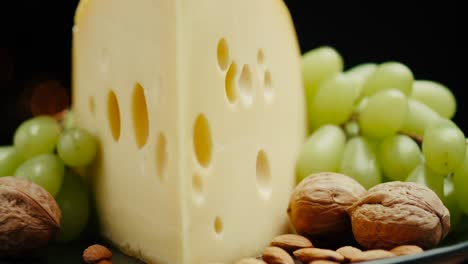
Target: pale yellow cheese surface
{"x":199,"y":110}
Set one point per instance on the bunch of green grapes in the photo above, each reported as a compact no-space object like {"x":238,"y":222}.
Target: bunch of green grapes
{"x":46,"y":152}
{"x":376,"y":122}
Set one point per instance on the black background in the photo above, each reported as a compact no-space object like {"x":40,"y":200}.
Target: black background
{"x":35,"y":42}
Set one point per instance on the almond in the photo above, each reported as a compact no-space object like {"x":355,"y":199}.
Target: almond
{"x":349,"y":252}
{"x":291,"y":242}
{"x":310,"y":254}
{"x":276,"y":255}
{"x":96,"y":253}
{"x":373,"y":254}
{"x":406,"y":250}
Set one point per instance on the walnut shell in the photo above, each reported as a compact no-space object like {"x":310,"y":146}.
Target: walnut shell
{"x":397,"y":213}
{"x":29,"y":216}
{"x":318,"y":208}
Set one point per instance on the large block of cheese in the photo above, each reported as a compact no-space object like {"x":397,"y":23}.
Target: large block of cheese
{"x":199,"y":110}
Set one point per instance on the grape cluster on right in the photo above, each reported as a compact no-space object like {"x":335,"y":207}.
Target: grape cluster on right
{"x":375,"y":122}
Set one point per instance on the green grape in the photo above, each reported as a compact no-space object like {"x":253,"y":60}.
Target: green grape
{"x":334,"y":101}
{"x":362,"y":71}
{"x":318,"y":65}
{"x":450,"y":201}
{"x":360,"y":162}
{"x":322,"y":151}
{"x":427,"y":177}
{"x":10,"y":159}
{"x":351,"y":128}
{"x":37,"y":135}
{"x":361,"y":104}
{"x":76,"y":147}
{"x":69,"y":120}
{"x":460,"y":182}
{"x":384,"y":113}
{"x":436,"y":96}
{"x":419,"y":116}
{"x":398,"y":156}
{"x":443,"y":146}
{"x":389,"y":75}
{"x":74,"y":202}
{"x":46,"y":170}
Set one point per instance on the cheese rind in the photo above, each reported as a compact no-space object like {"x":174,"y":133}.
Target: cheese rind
{"x":206,"y":176}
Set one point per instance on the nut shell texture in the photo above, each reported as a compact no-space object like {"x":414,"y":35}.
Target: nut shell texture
{"x":319,"y":203}
{"x":397,"y":213}
{"x":29,"y":216}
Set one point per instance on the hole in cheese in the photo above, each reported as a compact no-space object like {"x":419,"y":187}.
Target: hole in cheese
{"x":263,"y":174}
{"x":223,"y":54}
{"x":92,"y":105}
{"x":267,"y":86}
{"x":260,"y":57}
{"x":197,"y":185}
{"x":218,"y":225}
{"x":230,"y":84}
{"x":140,"y":115}
{"x":113,"y":114}
{"x":202,"y":141}
{"x":245,"y":84}
{"x":161,"y":156}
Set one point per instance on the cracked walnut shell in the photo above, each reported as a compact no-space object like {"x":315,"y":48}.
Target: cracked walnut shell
{"x":397,"y":213}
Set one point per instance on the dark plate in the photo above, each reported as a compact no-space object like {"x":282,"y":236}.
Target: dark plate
{"x":72,"y":253}
{"x":452,"y":250}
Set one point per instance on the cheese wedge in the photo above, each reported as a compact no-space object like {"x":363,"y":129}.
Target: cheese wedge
{"x":199,"y":110}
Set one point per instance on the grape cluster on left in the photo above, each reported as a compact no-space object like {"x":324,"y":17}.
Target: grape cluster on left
{"x":47,"y":151}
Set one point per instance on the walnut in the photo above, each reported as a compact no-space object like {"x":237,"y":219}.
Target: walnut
{"x":397,"y":213}
{"x":318,"y":208}
{"x":29,"y":216}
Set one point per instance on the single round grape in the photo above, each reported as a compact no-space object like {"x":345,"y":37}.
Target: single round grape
{"x":443,"y":146}
{"x":333,"y":102}
{"x":360,"y":162}
{"x":450,"y":201}
{"x":10,"y":159}
{"x":317,"y":65}
{"x":322,"y":151}
{"x":384,"y":114}
{"x":460,"y":182}
{"x":389,"y":75}
{"x":427,"y":177}
{"x":74,"y":202}
{"x":418,"y":118}
{"x":46,"y":170}
{"x":76,"y":147}
{"x":436,"y":96}
{"x":37,"y":135}
{"x":398,"y":156}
